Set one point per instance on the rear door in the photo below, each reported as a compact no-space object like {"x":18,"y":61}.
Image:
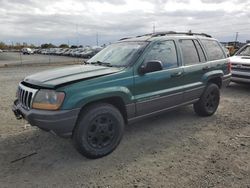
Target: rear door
{"x":159,"y":90}
{"x":195,"y":65}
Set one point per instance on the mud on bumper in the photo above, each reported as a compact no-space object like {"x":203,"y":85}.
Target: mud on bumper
{"x":60,"y":122}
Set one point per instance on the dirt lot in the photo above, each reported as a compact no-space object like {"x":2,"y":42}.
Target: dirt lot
{"x":177,"y":149}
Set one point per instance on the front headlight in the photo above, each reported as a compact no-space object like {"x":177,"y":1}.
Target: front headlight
{"x":48,"y":99}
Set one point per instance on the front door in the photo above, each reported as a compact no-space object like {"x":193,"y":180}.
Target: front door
{"x":162,"y":89}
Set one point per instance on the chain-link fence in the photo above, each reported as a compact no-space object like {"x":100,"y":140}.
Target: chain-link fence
{"x":18,"y":58}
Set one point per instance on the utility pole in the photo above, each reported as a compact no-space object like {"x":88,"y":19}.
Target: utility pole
{"x":236,"y":38}
{"x":77,"y":39}
{"x":153,"y":27}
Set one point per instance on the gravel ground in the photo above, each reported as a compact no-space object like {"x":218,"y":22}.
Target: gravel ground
{"x":176,"y":149}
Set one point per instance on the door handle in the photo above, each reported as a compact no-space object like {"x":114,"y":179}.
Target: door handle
{"x":177,"y":74}
{"x":205,"y":68}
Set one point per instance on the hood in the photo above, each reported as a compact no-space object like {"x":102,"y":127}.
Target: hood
{"x":240,"y":59}
{"x":60,"y":76}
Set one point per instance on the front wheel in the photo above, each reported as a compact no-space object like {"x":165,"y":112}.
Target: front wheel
{"x":209,"y":101}
{"x":99,"y":130}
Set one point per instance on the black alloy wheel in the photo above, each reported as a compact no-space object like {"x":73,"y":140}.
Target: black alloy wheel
{"x":99,"y":130}
{"x":209,"y":101}
{"x":212,"y":101}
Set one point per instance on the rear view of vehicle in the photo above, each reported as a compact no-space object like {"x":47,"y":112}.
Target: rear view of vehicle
{"x":241,"y":65}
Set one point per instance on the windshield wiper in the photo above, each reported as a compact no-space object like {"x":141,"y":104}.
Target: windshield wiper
{"x":101,"y":63}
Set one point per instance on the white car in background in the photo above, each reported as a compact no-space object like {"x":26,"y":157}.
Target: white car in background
{"x":27,"y":51}
{"x":1,"y":51}
{"x":240,"y":63}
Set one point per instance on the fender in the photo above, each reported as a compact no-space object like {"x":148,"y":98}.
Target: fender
{"x":78,"y":100}
{"x":212,"y":74}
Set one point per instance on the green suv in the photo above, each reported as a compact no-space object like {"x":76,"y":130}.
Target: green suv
{"x":131,"y":79}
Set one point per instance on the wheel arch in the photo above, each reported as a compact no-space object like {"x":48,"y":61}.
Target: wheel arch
{"x":116,"y":101}
{"x":214,"y":77}
{"x":216,"y":80}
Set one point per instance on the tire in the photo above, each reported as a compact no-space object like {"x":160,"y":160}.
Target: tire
{"x":98,"y":131}
{"x":209,"y":101}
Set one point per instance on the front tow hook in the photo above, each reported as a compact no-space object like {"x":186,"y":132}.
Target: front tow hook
{"x":17,"y":113}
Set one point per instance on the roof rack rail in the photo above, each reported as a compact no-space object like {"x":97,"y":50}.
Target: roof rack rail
{"x":157,"y":34}
{"x":164,"y":33}
{"x":124,"y":38}
{"x":178,"y":33}
{"x":148,"y":34}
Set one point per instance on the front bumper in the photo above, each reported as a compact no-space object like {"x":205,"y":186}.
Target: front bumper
{"x":60,"y":122}
{"x":241,"y":76}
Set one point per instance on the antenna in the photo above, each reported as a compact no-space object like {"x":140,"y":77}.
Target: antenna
{"x":153,"y":27}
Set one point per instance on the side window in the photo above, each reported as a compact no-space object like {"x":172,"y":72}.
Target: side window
{"x":245,"y":51}
{"x":200,"y":51}
{"x":214,"y":51}
{"x":165,"y":52}
{"x":189,"y":52}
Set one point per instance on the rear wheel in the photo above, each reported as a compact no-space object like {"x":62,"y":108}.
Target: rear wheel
{"x":209,"y":101}
{"x":98,"y":131}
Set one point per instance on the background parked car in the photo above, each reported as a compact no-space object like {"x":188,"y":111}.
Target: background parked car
{"x":231,"y":49}
{"x":81,"y":52}
{"x":241,"y":65}
{"x":27,"y":51}
{"x":226,"y":51}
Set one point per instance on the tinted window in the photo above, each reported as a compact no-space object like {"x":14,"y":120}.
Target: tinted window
{"x":189,"y":52}
{"x":214,"y":51}
{"x":200,"y":51}
{"x":165,"y":52}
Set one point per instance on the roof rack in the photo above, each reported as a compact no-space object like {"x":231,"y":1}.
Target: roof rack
{"x":164,"y":33}
{"x":148,"y":34}
{"x":157,"y":34}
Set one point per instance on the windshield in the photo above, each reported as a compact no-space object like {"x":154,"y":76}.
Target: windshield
{"x":245,"y":51}
{"x":118,"y":54}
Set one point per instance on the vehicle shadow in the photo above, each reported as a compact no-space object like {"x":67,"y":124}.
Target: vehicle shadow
{"x":142,"y":139}
{"x":238,"y":87}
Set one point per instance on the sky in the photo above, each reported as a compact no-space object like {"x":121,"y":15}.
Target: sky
{"x":79,"y":22}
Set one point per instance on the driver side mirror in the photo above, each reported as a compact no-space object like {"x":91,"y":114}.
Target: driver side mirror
{"x":151,"y":66}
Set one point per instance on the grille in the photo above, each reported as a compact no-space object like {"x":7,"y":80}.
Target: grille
{"x":241,"y":64}
{"x":25,"y":95}
{"x":241,"y":67}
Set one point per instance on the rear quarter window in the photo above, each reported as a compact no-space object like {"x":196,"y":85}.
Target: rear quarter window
{"x":189,"y":52}
{"x":214,"y":51}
